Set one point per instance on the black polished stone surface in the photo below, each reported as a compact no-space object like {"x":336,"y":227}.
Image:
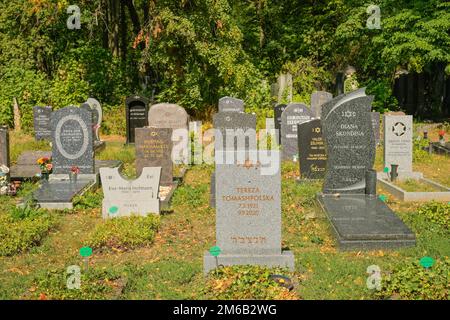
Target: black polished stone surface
{"x":41,"y":120}
{"x":60,"y":191}
{"x":362,"y":222}
{"x":311,"y":150}
{"x":350,"y":142}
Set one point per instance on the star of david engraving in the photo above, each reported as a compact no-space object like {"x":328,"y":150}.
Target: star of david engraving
{"x":399,"y":129}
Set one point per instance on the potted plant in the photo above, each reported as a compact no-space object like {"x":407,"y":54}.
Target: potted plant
{"x":73,"y":175}
{"x":46,"y":166}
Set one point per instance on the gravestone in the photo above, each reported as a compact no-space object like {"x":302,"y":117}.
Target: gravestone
{"x":234,"y":133}
{"x":376,"y":126}
{"x":167,"y":115}
{"x":97,"y":115}
{"x":230,"y":104}
{"x":72,"y":143}
{"x":293,"y":115}
{"x":136,"y":114}
{"x":27,"y":167}
{"x":360,"y":220}
{"x":41,"y":120}
{"x":319,"y":98}
{"x":248,"y":218}
{"x":312,"y":152}
{"x":398,"y":143}
{"x":278,"y":111}
{"x":154,"y":149}
{"x":123,"y":197}
{"x":4,"y":146}
{"x":348,"y":133}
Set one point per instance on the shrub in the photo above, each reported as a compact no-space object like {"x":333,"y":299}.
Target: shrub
{"x":95,"y":284}
{"x":247,"y":282}
{"x":436,"y":212}
{"x":23,"y":230}
{"x":125,"y":233}
{"x":412,"y":281}
{"x":89,"y":200}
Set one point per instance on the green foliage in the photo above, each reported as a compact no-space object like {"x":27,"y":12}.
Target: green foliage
{"x":247,"y":282}
{"x":23,"y":229}
{"x":95,"y":285}
{"x":420,"y":155}
{"x":412,"y":281}
{"x":89,"y":200}
{"x":307,"y":76}
{"x":124,"y":232}
{"x":436,"y":212}
{"x":189,"y":195}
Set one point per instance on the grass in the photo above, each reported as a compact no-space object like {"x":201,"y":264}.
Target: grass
{"x":413,"y":185}
{"x":169,"y":265}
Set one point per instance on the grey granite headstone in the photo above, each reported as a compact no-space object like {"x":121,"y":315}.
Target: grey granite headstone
{"x":136,"y":115}
{"x":4,"y":146}
{"x":167,"y":115}
{"x":278,"y":111}
{"x":72,"y":142}
{"x":294,"y":114}
{"x":41,"y":120}
{"x":154,"y":149}
{"x":312,"y":152}
{"x":230,"y":104}
{"x":376,"y":126}
{"x":123,"y":197}
{"x":348,"y":133}
{"x":234,"y":132}
{"x":248,"y":218}
{"x":398,"y":142}
{"x":318,"y":99}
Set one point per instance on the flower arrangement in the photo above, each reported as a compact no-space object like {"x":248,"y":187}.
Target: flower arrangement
{"x":45,"y":164}
{"x":4,"y":184}
{"x":75,"y":170}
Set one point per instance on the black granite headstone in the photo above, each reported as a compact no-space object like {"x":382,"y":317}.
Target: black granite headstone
{"x":72,"y":141}
{"x":278,"y":111}
{"x":311,"y":149}
{"x":136,"y":115}
{"x":41,"y":117}
{"x":294,"y":114}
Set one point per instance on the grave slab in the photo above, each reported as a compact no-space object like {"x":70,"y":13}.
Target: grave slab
{"x":361,"y":222}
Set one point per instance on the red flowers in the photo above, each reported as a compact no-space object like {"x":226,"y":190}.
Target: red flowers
{"x":75,"y":170}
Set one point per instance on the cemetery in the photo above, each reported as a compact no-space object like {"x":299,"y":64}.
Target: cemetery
{"x":155,"y":172}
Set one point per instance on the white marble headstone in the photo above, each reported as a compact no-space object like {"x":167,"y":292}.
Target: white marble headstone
{"x":124,"y":197}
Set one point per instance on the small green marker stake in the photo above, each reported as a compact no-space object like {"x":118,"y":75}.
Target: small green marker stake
{"x":86,"y":252}
{"x":383,"y":198}
{"x":215,"y":252}
{"x":113,"y":210}
{"x":386,"y":169}
{"x":426,"y":262}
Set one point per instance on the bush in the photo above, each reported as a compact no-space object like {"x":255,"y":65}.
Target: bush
{"x":125,"y":233}
{"x":436,"y":212}
{"x":23,"y":230}
{"x":419,"y":154}
{"x":247,"y":282}
{"x":95,"y":284}
{"x":412,"y":281}
{"x":89,"y":200}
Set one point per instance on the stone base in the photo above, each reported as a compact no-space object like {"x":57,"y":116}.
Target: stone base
{"x":403,"y":195}
{"x":361,"y":222}
{"x":401,"y":175}
{"x":285,"y":259}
